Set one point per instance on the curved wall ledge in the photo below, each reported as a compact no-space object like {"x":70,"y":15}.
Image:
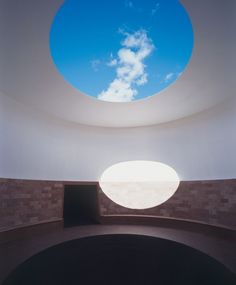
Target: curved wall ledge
{"x":165,"y":222}
{"x":29,"y":202}
{"x":208,"y":202}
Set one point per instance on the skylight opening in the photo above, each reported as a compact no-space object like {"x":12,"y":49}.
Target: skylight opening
{"x":121,"y":51}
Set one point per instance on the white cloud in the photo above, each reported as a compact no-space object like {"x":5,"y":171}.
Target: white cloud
{"x":113,"y":62}
{"x":95,"y":64}
{"x":172,"y":75}
{"x":118,"y":91}
{"x":130,"y":71}
{"x":155,"y":9}
{"x":169,"y":76}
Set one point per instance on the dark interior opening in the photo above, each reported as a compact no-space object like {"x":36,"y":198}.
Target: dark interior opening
{"x":80,"y":205}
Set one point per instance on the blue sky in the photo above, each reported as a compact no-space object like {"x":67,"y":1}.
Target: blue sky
{"x":121,"y":51}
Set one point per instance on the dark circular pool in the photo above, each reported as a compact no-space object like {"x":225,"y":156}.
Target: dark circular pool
{"x":119,"y":260}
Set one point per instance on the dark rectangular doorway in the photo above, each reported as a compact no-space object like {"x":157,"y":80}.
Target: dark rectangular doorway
{"x":80,"y":205}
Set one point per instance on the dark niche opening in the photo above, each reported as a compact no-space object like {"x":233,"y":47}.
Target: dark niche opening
{"x":80,"y":205}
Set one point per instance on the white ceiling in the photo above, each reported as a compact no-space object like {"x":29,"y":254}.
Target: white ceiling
{"x":27,"y":73}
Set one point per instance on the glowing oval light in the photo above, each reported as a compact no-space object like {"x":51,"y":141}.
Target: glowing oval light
{"x":139,"y":184}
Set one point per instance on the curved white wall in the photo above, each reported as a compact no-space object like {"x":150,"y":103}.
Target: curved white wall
{"x":36,"y":146}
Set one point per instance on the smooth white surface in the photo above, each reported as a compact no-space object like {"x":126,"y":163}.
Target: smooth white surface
{"x":36,"y":146}
{"x":139,"y":184}
{"x":27,"y":73}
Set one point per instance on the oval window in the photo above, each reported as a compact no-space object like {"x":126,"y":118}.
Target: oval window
{"x":139,"y":184}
